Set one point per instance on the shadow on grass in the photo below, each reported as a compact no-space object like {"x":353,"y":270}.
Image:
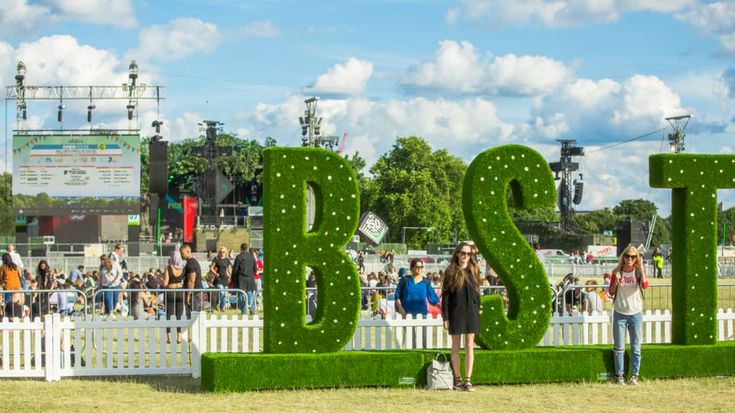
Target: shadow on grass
{"x":165,"y":384}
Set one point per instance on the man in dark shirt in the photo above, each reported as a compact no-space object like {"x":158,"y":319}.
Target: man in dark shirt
{"x":193,"y":272}
{"x":574,"y":297}
{"x":244,"y":270}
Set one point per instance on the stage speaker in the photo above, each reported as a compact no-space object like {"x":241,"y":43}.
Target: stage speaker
{"x":158,"y":167}
{"x":631,"y":233}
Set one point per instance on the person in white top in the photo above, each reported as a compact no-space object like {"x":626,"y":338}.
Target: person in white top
{"x":627,"y":282}
{"x":16,"y":257}
{"x":594,"y":301}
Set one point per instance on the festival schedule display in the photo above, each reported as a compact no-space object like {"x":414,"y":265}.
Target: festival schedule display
{"x":58,"y":175}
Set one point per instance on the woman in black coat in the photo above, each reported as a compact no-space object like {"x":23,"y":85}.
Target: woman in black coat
{"x":461,"y":310}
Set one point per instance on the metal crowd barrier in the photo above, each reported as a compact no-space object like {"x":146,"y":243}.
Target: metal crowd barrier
{"x":37,"y":303}
{"x":202,"y":299}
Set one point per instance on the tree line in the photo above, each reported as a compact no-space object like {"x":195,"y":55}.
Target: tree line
{"x":410,"y":186}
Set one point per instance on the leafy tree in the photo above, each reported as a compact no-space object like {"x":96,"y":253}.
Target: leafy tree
{"x":726,"y":218}
{"x":415,"y":187}
{"x":595,"y":222}
{"x":636,"y":209}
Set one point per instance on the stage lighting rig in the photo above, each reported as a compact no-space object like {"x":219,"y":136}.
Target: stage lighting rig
{"x":570,"y":191}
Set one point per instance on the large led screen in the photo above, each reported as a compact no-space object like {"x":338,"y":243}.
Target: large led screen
{"x":62,"y":175}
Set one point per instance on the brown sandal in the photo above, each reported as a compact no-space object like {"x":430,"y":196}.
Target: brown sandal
{"x":468,"y":385}
{"x":458,"y":384}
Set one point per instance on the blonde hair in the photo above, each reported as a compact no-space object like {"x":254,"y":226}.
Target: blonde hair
{"x":223,"y":249}
{"x":629,"y":250}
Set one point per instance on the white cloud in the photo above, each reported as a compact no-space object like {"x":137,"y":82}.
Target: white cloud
{"x":715,"y":18}
{"x":459,"y":68}
{"x":118,"y":13}
{"x":19,"y":16}
{"x":460,"y":126}
{"x":348,"y":79}
{"x":260,"y":29}
{"x":560,"y":13}
{"x":60,"y":59}
{"x":178,"y":39}
{"x":614,"y":174}
{"x":452,"y":16}
{"x":605,"y":110}
{"x":22,"y":16}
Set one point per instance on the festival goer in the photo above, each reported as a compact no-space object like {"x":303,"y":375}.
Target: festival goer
{"x":574,"y":298}
{"x":658,"y":263}
{"x":10,"y":281}
{"x":221,"y":266}
{"x":244,"y":270}
{"x":110,"y":276}
{"x":44,"y":281}
{"x":193,"y":280}
{"x":461,"y":310}
{"x":173,"y":281}
{"x":15,"y":257}
{"x":413,"y":291}
{"x":76,"y":277}
{"x":139,"y":300}
{"x":258,"y":276}
{"x":361,"y":262}
{"x":627,"y":283}
{"x":594,"y":300}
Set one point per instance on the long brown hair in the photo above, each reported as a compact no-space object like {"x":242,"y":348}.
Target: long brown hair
{"x":454,"y":277}
{"x":106,"y":262}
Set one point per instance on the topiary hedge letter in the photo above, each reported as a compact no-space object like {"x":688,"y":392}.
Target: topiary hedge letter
{"x":694,"y":180}
{"x":485,"y":206}
{"x":289,"y":249}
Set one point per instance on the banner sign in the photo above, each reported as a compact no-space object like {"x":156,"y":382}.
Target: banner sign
{"x":63,"y":175}
{"x":372,"y":227}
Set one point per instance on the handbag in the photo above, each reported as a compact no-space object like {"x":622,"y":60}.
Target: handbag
{"x":439,"y":373}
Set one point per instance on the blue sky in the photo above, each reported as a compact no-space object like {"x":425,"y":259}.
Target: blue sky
{"x":466,"y":74}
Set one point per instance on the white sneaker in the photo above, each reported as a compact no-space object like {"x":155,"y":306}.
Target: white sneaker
{"x":619,"y":380}
{"x":634,"y":380}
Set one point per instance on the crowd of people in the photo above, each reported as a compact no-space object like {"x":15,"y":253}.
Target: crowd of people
{"x":110,"y":288}
{"x":453,"y":293}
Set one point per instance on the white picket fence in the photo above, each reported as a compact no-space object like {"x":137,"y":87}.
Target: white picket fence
{"x":116,"y":347}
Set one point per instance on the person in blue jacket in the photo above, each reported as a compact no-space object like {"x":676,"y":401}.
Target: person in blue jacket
{"x":413,"y":290}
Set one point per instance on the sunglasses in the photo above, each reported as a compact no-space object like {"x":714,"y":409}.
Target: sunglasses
{"x":465,"y":254}
{"x":418,"y":267}
{"x":630,"y":257}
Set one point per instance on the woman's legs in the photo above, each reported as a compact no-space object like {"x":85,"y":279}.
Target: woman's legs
{"x":620,"y":323}
{"x":635,"y":327}
{"x":454,"y":357}
{"x":469,"y":355}
{"x":170,"y":297}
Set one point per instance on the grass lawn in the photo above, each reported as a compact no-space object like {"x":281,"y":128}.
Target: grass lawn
{"x":183,"y":394}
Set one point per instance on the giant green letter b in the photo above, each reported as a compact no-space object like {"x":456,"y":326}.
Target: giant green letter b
{"x":289,"y":249}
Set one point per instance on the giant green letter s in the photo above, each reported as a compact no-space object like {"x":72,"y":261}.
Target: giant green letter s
{"x":289,"y":249}
{"x":485,"y":206}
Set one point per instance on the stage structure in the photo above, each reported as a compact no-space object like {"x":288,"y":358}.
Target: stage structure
{"x":82,"y":184}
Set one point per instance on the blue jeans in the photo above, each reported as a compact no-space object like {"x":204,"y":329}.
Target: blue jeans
{"x":222,"y":296}
{"x":251,"y":301}
{"x":110,"y":298}
{"x":634,"y":325}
